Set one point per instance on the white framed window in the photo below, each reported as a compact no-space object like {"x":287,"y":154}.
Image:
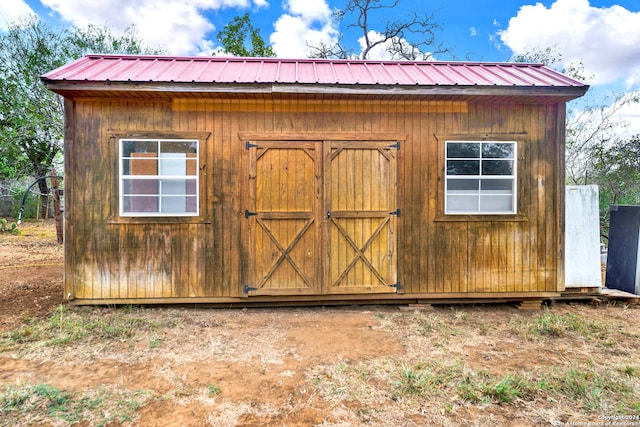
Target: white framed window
{"x":158,"y":177}
{"x":480,"y":177}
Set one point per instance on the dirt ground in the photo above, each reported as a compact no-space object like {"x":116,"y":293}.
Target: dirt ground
{"x":30,"y":273}
{"x":329,"y":366}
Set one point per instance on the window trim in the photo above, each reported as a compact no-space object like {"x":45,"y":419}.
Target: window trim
{"x":204,"y":210}
{"x":158,"y":177}
{"x":513,"y":177}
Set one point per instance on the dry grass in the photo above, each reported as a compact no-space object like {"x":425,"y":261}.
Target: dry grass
{"x":486,"y":365}
{"x":473,"y":366}
{"x":453,"y":363}
{"x":34,"y":243}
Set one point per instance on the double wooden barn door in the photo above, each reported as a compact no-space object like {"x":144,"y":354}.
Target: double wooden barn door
{"x":321,"y":217}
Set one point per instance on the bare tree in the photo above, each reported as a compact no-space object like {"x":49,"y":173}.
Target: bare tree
{"x":596,"y":150}
{"x":594,"y":128}
{"x":412,"y":38}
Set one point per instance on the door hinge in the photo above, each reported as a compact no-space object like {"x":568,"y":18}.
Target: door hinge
{"x":397,"y":286}
{"x":396,"y":145}
{"x":248,"y":145}
{"x":396,"y":212}
{"x":248,"y":213}
{"x":246,"y":289}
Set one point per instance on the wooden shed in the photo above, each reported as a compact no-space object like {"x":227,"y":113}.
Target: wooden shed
{"x":252,"y":180}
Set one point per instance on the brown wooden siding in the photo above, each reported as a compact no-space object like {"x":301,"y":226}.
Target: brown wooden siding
{"x":108,"y":257}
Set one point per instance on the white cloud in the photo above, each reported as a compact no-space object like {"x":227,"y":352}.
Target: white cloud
{"x":383,"y":51}
{"x":310,"y":10}
{"x":606,"y":39}
{"x":630,"y":114}
{"x":307,"y":23}
{"x":378,"y":52}
{"x":178,"y":26}
{"x":289,"y":39}
{"x":13,"y":11}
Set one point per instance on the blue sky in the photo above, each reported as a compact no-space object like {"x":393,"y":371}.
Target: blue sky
{"x":603,"y":34}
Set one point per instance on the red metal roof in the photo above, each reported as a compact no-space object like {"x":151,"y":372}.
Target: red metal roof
{"x":228,"y":70}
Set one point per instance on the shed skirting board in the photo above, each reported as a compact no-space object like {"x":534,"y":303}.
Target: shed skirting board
{"x":445,"y":298}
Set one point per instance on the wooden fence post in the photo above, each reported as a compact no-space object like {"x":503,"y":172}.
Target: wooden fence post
{"x":56,"y":206}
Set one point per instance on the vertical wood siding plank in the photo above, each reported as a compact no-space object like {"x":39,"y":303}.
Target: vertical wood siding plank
{"x":420,"y":136}
{"x":82,"y":287}
{"x":71,"y":174}
{"x":203,"y":246}
{"x":207,"y":193}
{"x":227,"y":165}
{"x":432,"y":163}
{"x":91,"y":185}
{"x":239,"y":121}
{"x":536,"y":184}
{"x":410,"y":241}
{"x":560,"y":197}
{"x":553,"y":211}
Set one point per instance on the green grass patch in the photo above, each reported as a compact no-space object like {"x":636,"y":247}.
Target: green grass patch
{"x":69,"y":325}
{"x":593,"y":390}
{"x":8,"y":227}
{"x":435,"y":324}
{"x":510,"y":388}
{"x":556,"y":325}
{"x":415,"y":385}
{"x":213,"y":390}
{"x":427,"y":380}
{"x":631,"y":371}
{"x":43,"y":403}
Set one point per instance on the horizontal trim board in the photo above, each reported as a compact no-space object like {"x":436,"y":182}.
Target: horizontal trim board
{"x":319,"y":299}
{"x":322,"y":136}
{"x":486,"y":218}
{"x":314,"y":105}
{"x":234,"y":97}
{"x":157,"y":134}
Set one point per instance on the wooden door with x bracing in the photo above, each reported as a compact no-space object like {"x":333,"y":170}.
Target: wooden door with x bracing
{"x":360,"y":179}
{"x":321,"y":218}
{"x":284,"y":233}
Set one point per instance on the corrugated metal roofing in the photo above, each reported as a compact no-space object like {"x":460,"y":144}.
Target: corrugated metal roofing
{"x":234,"y":70}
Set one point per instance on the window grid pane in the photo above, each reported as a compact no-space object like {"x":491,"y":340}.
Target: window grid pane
{"x":480,"y":177}
{"x":159,"y":177}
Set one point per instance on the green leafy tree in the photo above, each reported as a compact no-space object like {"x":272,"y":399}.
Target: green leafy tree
{"x":94,"y":39}
{"x":31,"y":117}
{"x":616,"y":168}
{"x":30,"y":135}
{"x":411,"y":38}
{"x":241,"y":38}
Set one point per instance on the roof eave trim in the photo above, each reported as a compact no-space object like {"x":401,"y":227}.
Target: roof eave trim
{"x":431,"y":90}
{"x":569,"y":92}
{"x":69,"y":86}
